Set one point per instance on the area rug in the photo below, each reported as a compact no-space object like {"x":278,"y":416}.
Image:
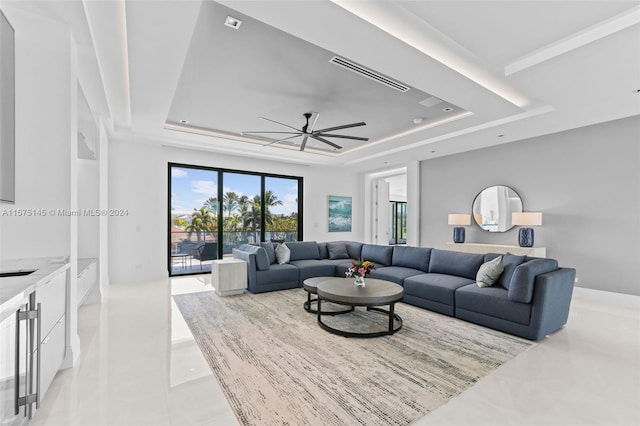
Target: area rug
{"x":276,"y":366}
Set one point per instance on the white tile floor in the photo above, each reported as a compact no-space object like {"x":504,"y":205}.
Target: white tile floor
{"x":139,"y":365}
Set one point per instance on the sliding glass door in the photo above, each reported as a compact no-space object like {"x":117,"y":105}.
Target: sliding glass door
{"x":212,"y":211}
{"x":193,"y":219}
{"x":241,"y":210}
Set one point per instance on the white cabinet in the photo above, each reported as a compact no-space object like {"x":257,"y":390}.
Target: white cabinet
{"x":32,"y":343}
{"x":52,"y":349}
{"x":52,"y":297}
{"x":9,"y":377}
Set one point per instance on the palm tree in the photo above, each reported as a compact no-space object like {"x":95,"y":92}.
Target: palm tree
{"x":251,"y":218}
{"x":270,"y":200}
{"x":212,"y":205}
{"x":201,"y":220}
{"x":230,"y":202}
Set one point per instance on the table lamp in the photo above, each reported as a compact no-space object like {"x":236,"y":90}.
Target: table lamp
{"x":459,"y":220}
{"x":525,"y":236}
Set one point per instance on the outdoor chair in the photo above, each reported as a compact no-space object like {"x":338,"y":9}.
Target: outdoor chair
{"x":207,"y":251}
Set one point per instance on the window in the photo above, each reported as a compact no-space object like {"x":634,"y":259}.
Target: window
{"x":212,"y":211}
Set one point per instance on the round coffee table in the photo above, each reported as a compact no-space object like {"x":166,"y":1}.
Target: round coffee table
{"x":375,"y":293}
{"x":310,"y":285}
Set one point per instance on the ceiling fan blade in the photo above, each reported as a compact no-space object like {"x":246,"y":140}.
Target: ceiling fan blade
{"x":282,"y":133}
{"x":282,"y":124}
{"x":344,"y":126}
{"x":282,"y":140}
{"x":304,"y":142}
{"x":357,"y":138}
{"x":316,"y":137}
{"x":314,"y":118}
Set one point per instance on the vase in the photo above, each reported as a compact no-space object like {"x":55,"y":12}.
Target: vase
{"x":359,"y":281}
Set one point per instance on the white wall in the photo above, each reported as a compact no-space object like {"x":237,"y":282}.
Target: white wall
{"x":138,"y":182}
{"x":43,"y":137}
{"x":397,"y":187}
{"x":88,"y":198}
{"x":586,"y":182}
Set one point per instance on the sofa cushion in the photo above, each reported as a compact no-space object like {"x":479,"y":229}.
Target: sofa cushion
{"x":283,"y":254}
{"x":314,"y":268}
{"x":522,"y":282}
{"x":323,"y":251}
{"x":396,"y":274}
{"x":381,"y":255}
{"x":354,"y":249}
{"x":411,"y":257}
{"x":278,"y":274}
{"x":489,"y":272}
{"x":509,"y":263}
{"x":262,"y":259}
{"x":455,"y":263}
{"x":337,"y":250}
{"x":492,"y":301}
{"x":304,"y":250}
{"x":271,"y":251}
{"x":491,"y":256}
{"x":437,"y":287}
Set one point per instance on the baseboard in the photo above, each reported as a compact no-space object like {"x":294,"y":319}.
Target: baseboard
{"x":607,"y":297}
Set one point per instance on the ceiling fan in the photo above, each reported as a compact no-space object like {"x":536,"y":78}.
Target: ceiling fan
{"x":308,"y":131}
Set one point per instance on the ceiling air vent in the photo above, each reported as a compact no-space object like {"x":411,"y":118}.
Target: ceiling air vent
{"x":365,"y":72}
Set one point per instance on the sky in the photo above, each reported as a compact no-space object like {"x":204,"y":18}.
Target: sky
{"x":190,"y":188}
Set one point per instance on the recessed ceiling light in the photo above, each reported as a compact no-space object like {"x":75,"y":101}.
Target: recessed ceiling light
{"x":447,"y":109}
{"x":184,"y":121}
{"x":636,"y":91}
{"x":232,"y":22}
{"x":418,"y":120}
{"x":500,"y":136}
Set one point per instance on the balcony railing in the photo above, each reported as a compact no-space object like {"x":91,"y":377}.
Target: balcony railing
{"x":185,"y":243}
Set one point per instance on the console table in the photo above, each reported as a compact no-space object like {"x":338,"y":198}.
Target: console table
{"x":497,"y":248}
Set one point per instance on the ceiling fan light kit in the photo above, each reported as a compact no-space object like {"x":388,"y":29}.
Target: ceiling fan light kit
{"x":308,"y":131}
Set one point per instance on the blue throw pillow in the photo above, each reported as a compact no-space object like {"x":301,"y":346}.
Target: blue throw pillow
{"x":337,"y":250}
{"x":510,"y":262}
{"x":271,"y":251}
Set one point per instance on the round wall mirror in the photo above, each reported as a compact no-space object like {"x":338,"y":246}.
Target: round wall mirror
{"x":493,"y":206}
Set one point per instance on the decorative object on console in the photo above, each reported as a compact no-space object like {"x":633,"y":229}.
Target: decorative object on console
{"x":459,"y":220}
{"x":525,"y":236}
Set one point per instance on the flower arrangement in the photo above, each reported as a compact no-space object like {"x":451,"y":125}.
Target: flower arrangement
{"x":359,"y":268}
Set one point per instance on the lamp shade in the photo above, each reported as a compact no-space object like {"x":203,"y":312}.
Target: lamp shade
{"x":460,"y":219}
{"x":527,"y":219}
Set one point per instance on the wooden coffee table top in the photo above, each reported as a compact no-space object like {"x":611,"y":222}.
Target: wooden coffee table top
{"x":311,"y":284}
{"x":375,"y":293}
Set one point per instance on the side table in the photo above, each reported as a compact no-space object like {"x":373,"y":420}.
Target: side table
{"x":229,"y":276}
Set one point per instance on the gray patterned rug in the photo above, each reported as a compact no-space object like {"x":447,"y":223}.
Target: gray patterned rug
{"x":277,"y":367}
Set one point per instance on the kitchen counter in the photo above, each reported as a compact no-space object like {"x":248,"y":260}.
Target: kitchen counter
{"x":15,"y":291}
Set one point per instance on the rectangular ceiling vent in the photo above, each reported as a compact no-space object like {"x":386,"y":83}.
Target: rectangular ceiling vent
{"x":352,"y":66}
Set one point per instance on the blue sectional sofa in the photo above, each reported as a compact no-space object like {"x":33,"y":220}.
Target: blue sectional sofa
{"x":530,"y":299}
